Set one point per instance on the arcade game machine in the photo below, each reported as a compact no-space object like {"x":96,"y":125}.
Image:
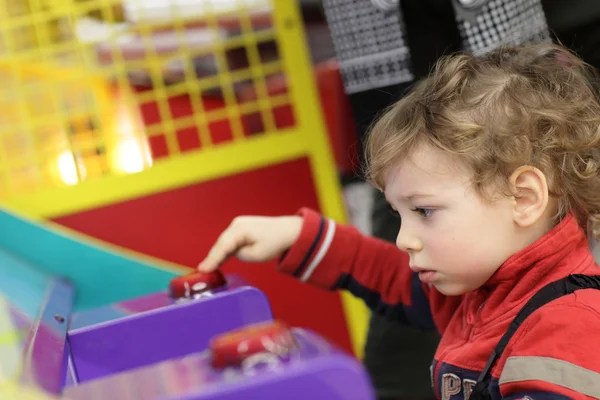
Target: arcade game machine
{"x":145,"y":124}
{"x":199,"y":336}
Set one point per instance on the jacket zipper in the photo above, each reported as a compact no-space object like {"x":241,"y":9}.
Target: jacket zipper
{"x":473,"y":323}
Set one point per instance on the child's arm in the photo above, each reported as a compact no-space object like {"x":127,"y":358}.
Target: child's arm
{"x":334,"y":256}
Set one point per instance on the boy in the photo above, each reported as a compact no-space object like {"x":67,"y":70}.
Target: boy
{"x":493,"y":164}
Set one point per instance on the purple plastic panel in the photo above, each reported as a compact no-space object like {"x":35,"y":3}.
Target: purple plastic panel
{"x":163,"y":333}
{"x":138,"y":305}
{"x":317,"y":371}
{"x":44,"y":354}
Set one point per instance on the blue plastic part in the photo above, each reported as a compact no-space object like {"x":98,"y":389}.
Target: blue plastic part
{"x":99,"y":274}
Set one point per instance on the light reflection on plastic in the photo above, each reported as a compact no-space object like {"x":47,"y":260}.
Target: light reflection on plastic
{"x":131,"y":153}
{"x":128,"y":153}
{"x":68,"y":170}
{"x":129,"y":157}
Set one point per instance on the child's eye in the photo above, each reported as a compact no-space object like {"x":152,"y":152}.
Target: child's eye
{"x":423,"y":212}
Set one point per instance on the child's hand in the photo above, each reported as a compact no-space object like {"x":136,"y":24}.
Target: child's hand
{"x":253,"y":239}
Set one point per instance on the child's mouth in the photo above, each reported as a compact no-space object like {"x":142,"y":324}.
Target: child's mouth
{"x":427,"y":276}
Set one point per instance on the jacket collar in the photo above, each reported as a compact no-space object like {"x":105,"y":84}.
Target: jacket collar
{"x":562,"y":251}
{"x":541,"y":256}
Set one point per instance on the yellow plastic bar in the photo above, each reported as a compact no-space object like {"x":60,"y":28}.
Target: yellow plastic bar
{"x":302,"y":87}
{"x":188,"y":168}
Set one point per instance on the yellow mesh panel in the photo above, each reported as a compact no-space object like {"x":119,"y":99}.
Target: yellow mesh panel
{"x":64,"y":62}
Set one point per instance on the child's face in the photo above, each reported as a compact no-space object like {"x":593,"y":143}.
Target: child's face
{"x":456,"y":240}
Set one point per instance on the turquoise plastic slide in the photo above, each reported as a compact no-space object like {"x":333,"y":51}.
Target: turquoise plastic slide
{"x":101,"y":274}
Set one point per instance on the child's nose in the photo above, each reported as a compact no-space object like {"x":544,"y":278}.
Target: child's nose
{"x":407,"y":241}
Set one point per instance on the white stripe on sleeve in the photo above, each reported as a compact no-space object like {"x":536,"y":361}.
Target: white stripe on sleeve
{"x":322,"y":251}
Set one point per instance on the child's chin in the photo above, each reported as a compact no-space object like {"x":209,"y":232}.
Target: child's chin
{"x":448,"y":289}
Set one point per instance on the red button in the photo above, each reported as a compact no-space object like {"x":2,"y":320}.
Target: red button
{"x":196,"y":282}
{"x":232,"y":348}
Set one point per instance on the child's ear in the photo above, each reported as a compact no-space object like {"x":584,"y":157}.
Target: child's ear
{"x":530,"y":190}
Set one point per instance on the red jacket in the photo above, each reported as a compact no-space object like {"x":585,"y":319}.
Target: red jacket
{"x":555,"y":354}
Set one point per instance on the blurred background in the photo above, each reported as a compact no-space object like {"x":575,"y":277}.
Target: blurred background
{"x":150,"y":124}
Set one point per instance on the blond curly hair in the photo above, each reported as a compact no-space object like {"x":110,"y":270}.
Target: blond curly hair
{"x":532,"y":105}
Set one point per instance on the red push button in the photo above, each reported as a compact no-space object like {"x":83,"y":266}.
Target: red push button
{"x":231,"y":349}
{"x":188,"y":285}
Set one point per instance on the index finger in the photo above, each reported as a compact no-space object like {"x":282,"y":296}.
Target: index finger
{"x":227,"y":245}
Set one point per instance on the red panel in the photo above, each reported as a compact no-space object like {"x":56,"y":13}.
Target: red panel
{"x":220,"y":131}
{"x":180,"y":225}
{"x":337,"y":112}
{"x":158,"y":145}
{"x":188,"y":139}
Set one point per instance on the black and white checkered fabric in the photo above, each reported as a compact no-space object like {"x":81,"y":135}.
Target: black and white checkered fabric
{"x":372,"y":51}
{"x":369,"y":43}
{"x":502,"y":22}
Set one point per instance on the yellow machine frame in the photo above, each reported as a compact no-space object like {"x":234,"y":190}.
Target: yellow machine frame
{"x":307,"y":138}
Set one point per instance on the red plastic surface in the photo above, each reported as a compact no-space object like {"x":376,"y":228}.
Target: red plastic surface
{"x":196,"y":282}
{"x":231,"y":349}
